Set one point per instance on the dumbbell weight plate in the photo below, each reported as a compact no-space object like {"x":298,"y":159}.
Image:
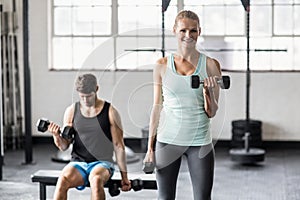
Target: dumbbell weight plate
{"x":148,"y":167}
{"x":137,"y":184}
{"x":226,"y":82}
{"x":113,"y":189}
{"x":42,"y":125}
{"x":68,"y":132}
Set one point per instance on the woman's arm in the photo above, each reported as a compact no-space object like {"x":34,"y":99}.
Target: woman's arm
{"x":211,"y":88}
{"x":156,"y":108}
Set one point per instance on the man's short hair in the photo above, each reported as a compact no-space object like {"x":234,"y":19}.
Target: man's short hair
{"x":86,"y":83}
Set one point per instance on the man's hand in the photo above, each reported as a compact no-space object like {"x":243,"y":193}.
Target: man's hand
{"x":126,"y":185}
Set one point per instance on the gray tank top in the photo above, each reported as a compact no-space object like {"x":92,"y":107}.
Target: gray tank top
{"x":92,"y":142}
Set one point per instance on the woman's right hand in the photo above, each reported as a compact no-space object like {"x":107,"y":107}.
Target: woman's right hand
{"x":150,"y":156}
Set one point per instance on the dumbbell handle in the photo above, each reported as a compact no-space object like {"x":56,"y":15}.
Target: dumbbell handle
{"x":224,"y":82}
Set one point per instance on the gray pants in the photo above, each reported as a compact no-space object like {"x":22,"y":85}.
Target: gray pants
{"x":200,"y":161}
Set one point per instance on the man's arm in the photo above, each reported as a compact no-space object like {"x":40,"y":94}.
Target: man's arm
{"x":119,"y":146}
{"x":55,"y":129}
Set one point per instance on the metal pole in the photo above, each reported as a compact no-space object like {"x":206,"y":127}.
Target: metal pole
{"x":248,"y":70}
{"x":27,"y":86}
{"x":247,"y":132}
{"x":1,"y":103}
{"x":163,"y":31}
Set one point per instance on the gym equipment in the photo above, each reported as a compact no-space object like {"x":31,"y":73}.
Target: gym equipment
{"x":27,"y":84}
{"x":10,"y":76}
{"x":114,"y":185}
{"x":68,"y":132}
{"x":148,"y":167}
{"x":238,"y":133}
{"x":223,"y":82}
{"x":49,"y":177}
{"x":1,"y":103}
{"x":247,"y":155}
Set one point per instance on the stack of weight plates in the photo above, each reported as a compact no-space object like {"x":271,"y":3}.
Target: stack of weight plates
{"x":239,"y":129}
{"x":239,"y":153}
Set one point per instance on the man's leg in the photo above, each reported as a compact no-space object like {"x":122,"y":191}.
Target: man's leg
{"x":97,"y":178}
{"x":69,"y":178}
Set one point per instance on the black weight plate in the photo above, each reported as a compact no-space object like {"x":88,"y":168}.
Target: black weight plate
{"x":242,"y":132}
{"x":252,"y":156}
{"x":251,"y":138}
{"x":242,"y":123}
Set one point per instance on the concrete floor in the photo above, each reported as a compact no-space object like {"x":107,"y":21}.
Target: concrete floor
{"x":277,"y":178}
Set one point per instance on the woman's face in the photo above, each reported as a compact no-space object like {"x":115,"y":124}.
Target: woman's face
{"x":187,"y":32}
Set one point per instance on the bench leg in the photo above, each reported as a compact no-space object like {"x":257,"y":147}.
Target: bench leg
{"x":42,"y":191}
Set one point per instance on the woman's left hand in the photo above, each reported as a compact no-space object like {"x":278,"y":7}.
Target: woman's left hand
{"x":209,"y":84}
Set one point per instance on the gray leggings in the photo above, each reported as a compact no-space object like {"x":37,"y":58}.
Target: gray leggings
{"x":200,"y":161}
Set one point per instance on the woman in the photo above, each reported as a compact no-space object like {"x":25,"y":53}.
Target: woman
{"x":180,"y":117}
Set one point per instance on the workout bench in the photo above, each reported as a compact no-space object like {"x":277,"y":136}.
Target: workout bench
{"x":49,"y":177}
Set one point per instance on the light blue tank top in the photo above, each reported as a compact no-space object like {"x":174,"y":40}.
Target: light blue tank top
{"x":183,"y":120}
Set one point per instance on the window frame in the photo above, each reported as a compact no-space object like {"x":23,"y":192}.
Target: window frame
{"x":180,"y":5}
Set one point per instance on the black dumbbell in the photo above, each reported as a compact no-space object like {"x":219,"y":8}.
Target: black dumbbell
{"x":224,"y":82}
{"x":148,"y":167}
{"x":67,"y":133}
{"x":114,"y":185}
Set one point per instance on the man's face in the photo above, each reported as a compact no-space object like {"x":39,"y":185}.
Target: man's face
{"x":88,"y":99}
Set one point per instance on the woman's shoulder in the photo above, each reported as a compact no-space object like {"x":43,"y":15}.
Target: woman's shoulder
{"x":161,"y":64}
{"x":213,"y":66}
{"x":162,"y":61}
{"x":160,"y":67}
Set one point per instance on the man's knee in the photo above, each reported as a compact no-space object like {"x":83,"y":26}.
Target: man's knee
{"x":63,"y":183}
{"x":96,"y":181}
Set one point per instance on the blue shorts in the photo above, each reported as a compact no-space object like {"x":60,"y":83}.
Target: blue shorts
{"x":86,"y":168}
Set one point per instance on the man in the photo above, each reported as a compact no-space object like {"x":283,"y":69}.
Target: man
{"x":98,"y":133}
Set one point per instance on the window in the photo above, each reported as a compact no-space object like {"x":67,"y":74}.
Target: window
{"x":127,"y":34}
{"x":79,"y":26}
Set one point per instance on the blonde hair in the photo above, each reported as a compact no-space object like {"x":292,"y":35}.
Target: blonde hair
{"x":187,"y":14}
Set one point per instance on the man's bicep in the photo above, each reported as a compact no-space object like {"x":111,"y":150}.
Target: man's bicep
{"x":68,"y":116}
{"x":115,"y":118}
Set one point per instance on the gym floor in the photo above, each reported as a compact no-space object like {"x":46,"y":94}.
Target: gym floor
{"x":277,"y":178}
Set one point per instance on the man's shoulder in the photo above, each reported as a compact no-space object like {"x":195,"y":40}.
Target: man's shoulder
{"x":71,"y":107}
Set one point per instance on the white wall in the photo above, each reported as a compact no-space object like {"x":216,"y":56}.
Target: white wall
{"x":274,"y":96}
